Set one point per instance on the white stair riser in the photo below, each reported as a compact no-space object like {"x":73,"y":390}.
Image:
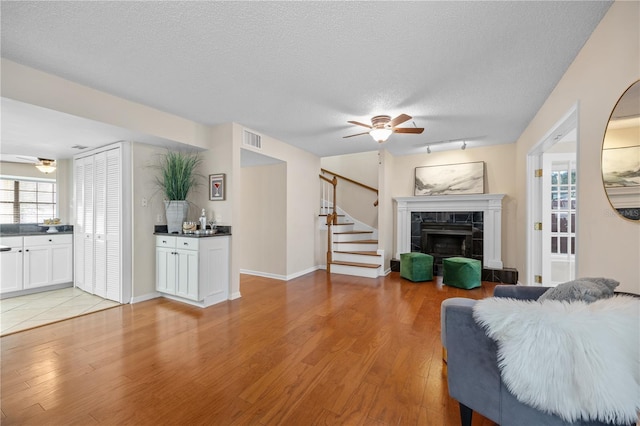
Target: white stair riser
{"x":358,"y":258}
{"x":355,"y":271}
{"x":351,"y":237}
{"x":342,"y":227}
{"x":355,"y":246}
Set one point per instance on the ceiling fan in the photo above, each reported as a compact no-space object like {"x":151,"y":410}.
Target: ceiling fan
{"x":45,"y":165}
{"x":382,"y":126}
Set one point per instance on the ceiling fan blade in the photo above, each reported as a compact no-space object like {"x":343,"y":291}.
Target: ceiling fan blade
{"x":360,"y":124}
{"x":399,"y":120}
{"x":29,"y":159}
{"x":416,"y":130}
{"x":357,"y":134}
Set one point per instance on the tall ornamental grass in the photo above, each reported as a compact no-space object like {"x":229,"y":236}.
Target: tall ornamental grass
{"x":178,"y":174}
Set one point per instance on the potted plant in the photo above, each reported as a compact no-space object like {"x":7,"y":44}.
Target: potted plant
{"x":177,"y":177}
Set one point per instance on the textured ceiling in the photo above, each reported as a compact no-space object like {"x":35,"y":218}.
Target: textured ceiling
{"x":297,"y":71}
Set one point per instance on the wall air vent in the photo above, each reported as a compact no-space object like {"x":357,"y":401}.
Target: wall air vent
{"x":251,"y":139}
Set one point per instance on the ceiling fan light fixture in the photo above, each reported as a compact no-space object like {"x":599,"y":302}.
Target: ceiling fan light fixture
{"x":380,"y":135}
{"x":46,"y":166}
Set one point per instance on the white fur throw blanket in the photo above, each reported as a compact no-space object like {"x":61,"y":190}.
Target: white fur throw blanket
{"x":576,"y":360}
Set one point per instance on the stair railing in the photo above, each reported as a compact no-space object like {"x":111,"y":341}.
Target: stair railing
{"x":355,"y":182}
{"x":329,"y":198}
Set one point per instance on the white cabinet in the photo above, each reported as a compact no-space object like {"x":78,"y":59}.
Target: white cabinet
{"x":11,"y":265}
{"x":103,"y":222}
{"x":37,"y":261}
{"x":193,"y":269}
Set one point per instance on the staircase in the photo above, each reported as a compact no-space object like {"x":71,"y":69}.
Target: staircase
{"x":354,"y":249}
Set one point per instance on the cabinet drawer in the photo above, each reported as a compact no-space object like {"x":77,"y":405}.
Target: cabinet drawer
{"x":11,"y":241}
{"x":164,"y":241}
{"x":187,"y":243}
{"x":44,"y":240}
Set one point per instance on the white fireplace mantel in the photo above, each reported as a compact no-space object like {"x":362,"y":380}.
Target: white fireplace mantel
{"x":489,"y":204}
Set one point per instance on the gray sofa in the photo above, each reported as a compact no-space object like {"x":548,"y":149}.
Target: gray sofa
{"x":472,"y":369}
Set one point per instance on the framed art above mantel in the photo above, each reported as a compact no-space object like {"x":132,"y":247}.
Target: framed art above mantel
{"x":450,"y":179}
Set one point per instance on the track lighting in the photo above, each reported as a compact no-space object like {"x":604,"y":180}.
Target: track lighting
{"x":428,"y":150}
{"x":464,"y":145}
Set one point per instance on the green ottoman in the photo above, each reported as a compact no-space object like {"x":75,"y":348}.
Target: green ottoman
{"x":461,"y":272}
{"x":416,"y":266}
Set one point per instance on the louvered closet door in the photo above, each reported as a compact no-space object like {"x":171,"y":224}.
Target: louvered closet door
{"x":78,"y":229}
{"x":100,"y":207}
{"x":113,"y":220}
{"x":89,"y":223}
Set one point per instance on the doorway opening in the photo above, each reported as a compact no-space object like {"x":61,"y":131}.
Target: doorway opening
{"x":552,"y":204}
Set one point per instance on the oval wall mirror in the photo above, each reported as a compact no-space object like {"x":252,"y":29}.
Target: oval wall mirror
{"x":621,"y":155}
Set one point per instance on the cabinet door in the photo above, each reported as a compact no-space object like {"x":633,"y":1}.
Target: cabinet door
{"x":187,"y":277}
{"x":11,"y":270}
{"x":37,"y":266}
{"x":214,"y":270}
{"x":165,"y":270}
{"x":61,"y":263}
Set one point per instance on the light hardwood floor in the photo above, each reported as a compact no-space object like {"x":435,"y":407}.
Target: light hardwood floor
{"x":336,"y":350}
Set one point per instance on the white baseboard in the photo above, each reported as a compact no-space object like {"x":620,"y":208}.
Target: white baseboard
{"x":145,"y":297}
{"x":281,"y":277}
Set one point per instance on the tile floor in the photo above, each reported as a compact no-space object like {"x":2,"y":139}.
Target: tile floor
{"x":24,"y":312}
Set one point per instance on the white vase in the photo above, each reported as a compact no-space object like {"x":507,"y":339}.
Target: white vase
{"x":176,"y":212}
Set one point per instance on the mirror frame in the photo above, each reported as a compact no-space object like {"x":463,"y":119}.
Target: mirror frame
{"x":636,"y":218}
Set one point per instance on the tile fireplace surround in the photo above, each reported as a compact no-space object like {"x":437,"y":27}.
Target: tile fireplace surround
{"x":489,"y":204}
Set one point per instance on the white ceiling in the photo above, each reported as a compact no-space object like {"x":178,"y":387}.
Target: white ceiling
{"x":297,"y":71}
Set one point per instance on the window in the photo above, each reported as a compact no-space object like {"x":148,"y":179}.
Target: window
{"x":27,"y":200}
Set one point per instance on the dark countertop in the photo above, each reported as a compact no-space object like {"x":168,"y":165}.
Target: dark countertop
{"x":217,"y":234}
{"x":221,"y":231}
{"x":30,"y":233}
{"x":27,"y":229}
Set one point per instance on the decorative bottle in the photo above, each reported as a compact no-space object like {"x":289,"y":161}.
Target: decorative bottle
{"x":203,"y":220}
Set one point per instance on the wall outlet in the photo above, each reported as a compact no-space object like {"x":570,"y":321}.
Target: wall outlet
{"x":144,"y":202}
{"x":159,"y":218}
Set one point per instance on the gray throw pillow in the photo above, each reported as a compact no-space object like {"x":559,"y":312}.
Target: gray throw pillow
{"x":585,"y":289}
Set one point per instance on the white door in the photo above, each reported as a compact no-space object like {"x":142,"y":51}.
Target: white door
{"x":559,"y":218}
{"x":89,"y":225}
{"x":100,"y":210}
{"x":549,"y":246}
{"x":78,"y":228}
{"x":113,"y":225}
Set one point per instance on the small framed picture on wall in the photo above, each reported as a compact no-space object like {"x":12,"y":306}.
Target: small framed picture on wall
{"x":217,"y":187}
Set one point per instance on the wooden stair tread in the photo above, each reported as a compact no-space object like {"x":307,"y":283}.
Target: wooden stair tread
{"x":365,"y":253}
{"x":352,"y":232}
{"x":357,"y":242}
{"x":362,"y":265}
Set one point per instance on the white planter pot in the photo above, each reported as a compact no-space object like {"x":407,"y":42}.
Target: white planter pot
{"x":176,"y":212}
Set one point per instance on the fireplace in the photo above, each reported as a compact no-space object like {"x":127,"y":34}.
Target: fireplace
{"x":483,"y":212}
{"x":445,"y":239}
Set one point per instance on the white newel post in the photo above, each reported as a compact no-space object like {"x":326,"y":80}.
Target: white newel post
{"x":489,"y":204}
